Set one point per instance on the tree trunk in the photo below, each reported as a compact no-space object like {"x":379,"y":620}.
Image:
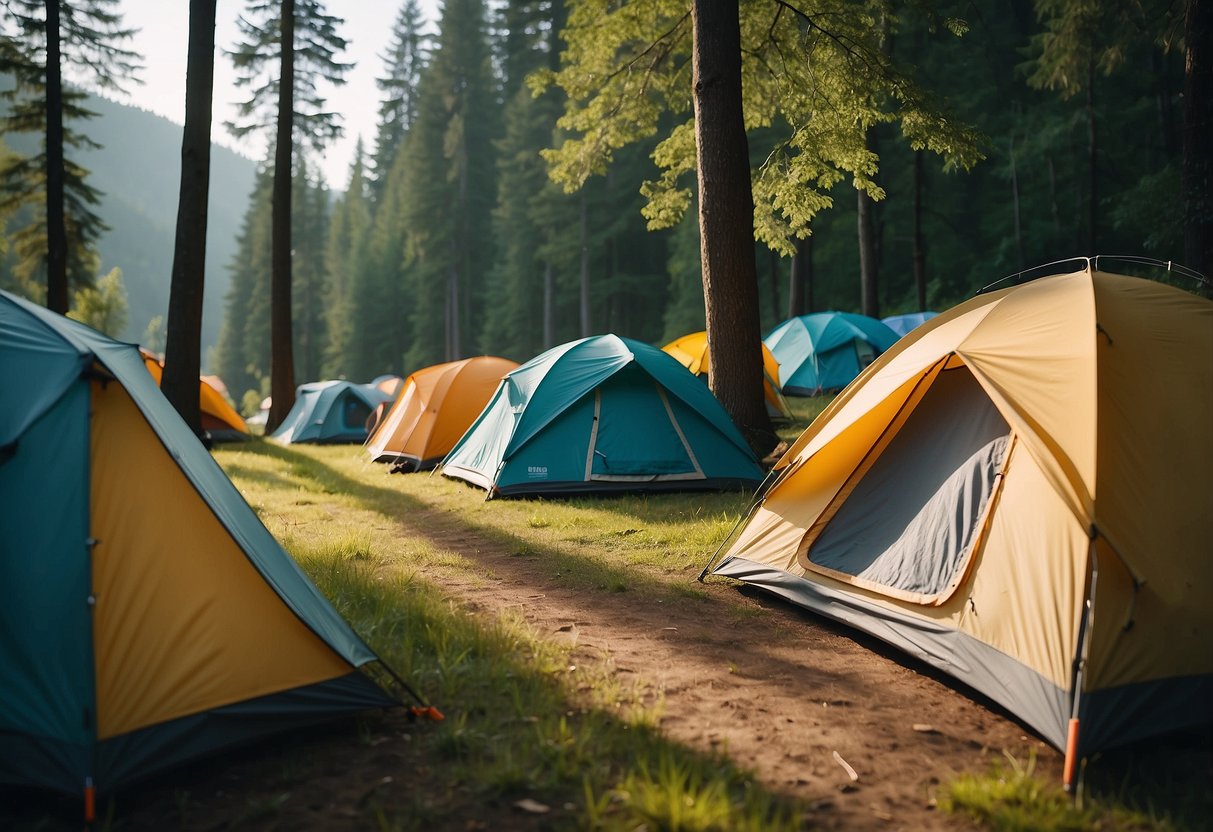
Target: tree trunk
{"x":1053,"y":196}
{"x":1198,"y":136}
{"x":726,"y":221}
{"x":868,"y":257}
{"x":585,"y":269}
{"x":1015,"y":205}
{"x":920,"y":249}
{"x":773,"y":279}
{"x":183,"y":351}
{"x":796,"y":278}
{"x":1162,"y":94}
{"x":282,"y":358}
{"x":56,"y":229}
{"x":809,"y":281}
{"x":456,"y":314}
{"x":462,"y":245}
{"x":450,"y":311}
{"x":1092,"y":168}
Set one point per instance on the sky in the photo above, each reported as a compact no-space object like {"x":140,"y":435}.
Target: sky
{"x":163,"y":38}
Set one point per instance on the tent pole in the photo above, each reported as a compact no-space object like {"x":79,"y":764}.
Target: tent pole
{"x":1084,"y":650}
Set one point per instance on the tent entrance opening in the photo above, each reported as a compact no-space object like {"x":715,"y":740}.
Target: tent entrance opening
{"x":911,"y":523}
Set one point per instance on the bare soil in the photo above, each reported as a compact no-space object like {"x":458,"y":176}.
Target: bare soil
{"x":861,"y":733}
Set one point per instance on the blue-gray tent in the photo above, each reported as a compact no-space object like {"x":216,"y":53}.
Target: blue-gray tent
{"x":330,"y":412}
{"x":602,"y":414}
{"x":138,"y":633}
{"x":901,"y":324}
{"x":826,"y":350}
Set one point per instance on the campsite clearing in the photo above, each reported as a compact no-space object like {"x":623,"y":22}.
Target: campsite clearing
{"x":556,"y":635}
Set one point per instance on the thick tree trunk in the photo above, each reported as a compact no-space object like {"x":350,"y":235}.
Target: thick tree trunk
{"x":282,"y":355}
{"x":1198,"y":136}
{"x":56,"y":228}
{"x":869,"y":257}
{"x":920,"y":249}
{"x":183,"y":352}
{"x":726,"y":221}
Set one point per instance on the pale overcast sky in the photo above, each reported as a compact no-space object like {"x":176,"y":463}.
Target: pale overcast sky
{"x":164,"y":35}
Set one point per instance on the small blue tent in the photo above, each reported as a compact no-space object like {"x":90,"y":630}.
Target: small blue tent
{"x":330,"y":412}
{"x":826,"y":350}
{"x":901,"y":324}
{"x":602,"y":414}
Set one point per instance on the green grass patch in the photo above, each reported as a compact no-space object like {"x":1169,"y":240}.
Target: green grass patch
{"x":1012,"y":798}
{"x":524,"y":720}
{"x":804,"y":411}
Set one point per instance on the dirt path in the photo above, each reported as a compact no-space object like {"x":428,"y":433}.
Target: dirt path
{"x":790,"y":696}
{"x":783,"y":692}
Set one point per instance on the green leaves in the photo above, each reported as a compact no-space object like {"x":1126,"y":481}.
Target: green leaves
{"x":816,"y":73}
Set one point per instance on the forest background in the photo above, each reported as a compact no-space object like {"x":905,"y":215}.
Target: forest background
{"x":1075,"y":162}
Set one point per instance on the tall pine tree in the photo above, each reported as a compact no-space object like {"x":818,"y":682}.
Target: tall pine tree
{"x":183,"y":353}
{"x":450,"y":170}
{"x":53,"y":35}
{"x":402,"y":66}
{"x":242,"y":352}
{"x":344,"y":259}
{"x":287,"y":49}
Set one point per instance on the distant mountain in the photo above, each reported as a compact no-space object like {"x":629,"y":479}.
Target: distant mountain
{"x":138,"y":170}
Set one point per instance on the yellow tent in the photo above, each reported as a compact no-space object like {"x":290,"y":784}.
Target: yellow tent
{"x":219,"y":419}
{"x":138,"y":634}
{"x":434,"y":409}
{"x":1017,"y":493}
{"x":692,"y":353}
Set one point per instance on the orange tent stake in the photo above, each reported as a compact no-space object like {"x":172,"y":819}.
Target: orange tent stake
{"x":1067,"y":776}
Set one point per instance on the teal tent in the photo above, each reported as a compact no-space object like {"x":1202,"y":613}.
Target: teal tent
{"x":826,"y":350}
{"x":602,"y":414}
{"x":901,"y":324}
{"x":146,"y":615}
{"x":330,"y":412}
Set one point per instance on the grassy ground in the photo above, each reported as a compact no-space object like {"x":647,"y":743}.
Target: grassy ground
{"x":529,"y":725}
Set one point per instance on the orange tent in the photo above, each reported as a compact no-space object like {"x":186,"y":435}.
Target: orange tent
{"x":389,"y":383}
{"x":219,"y":419}
{"x":692,"y":353}
{"x":434,"y":409}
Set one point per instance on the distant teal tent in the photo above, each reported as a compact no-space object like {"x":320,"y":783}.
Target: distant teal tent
{"x":147,"y":617}
{"x":901,"y":324}
{"x":826,"y":350}
{"x":330,"y":412}
{"x":602,"y":414}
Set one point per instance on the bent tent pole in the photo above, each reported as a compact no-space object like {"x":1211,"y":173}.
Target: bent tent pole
{"x":759,"y":495}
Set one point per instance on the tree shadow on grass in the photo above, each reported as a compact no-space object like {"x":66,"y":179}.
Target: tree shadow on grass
{"x":447,"y":529}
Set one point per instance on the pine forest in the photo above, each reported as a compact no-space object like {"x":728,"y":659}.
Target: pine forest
{"x":511,"y":200}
